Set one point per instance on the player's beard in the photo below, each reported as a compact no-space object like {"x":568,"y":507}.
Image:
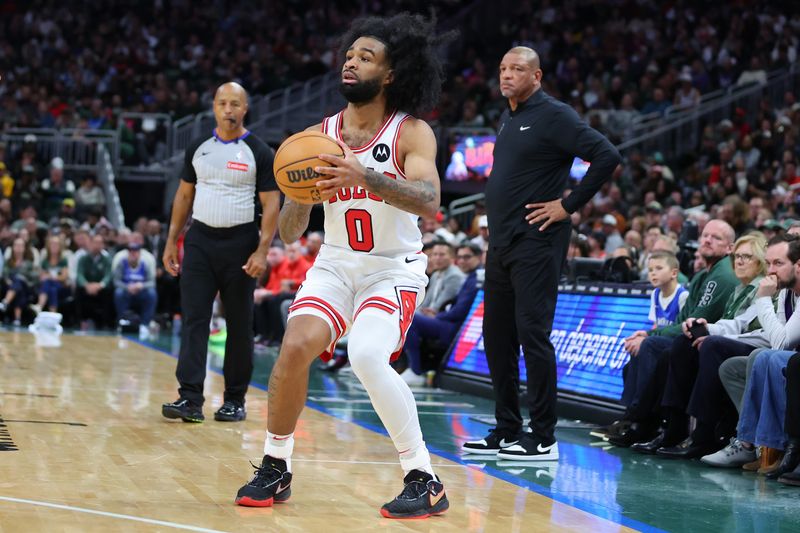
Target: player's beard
{"x":361,"y":92}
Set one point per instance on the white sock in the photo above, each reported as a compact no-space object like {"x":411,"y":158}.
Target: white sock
{"x":418,"y":459}
{"x":371,"y":341}
{"x":280,"y":447}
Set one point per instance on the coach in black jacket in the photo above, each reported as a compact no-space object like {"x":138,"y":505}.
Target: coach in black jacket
{"x":529,"y":232}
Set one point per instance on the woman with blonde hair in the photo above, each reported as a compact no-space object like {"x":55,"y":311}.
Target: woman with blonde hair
{"x":54,"y":274}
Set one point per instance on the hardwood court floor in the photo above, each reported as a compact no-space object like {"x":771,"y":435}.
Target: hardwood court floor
{"x":84,"y":448}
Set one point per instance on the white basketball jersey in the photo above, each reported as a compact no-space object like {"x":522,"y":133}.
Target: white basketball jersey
{"x":361,"y":221}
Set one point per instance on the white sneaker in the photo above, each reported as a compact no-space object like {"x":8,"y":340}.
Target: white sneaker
{"x":529,"y":449}
{"x":144,"y":332}
{"x":412,"y":379}
{"x":731,"y":456}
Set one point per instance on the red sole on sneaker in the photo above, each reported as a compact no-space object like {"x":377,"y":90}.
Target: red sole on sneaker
{"x":250,"y":502}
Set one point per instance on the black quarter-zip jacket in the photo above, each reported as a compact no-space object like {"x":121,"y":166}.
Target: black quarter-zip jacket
{"x":533,"y":154}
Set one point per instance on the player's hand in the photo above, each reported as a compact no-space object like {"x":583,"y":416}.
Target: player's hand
{"x":345,"y":172}
{"x":170,"y":258}
{"x":686,"y":325}
{"x":767,"y":286}
{"x":256,"y":264}
{"x":546,"y":212}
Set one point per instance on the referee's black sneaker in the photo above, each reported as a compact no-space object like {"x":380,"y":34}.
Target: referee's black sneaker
{"x":422,"y":496}
{"x":272,"y":484}
{"x":183,"y":409}
{"x":530,"y":448}
{"x":491,"y":444}
{"x":230,"y":412}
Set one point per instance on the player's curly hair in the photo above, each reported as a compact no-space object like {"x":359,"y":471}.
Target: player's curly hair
{"x":411,"y":44}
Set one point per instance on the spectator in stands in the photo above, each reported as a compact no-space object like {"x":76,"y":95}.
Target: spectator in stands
{"x":19,"y":277}
{"x":286,"y":275}
{"x":154,"y":237}
{"x":445,"y":281}
{"x":692,"y":384}
{"x":89,"y":196}
{"x":442,"y":327}
{"x":668,"y":297}
{"x":93,"y":292}
{"x":708,"y":293}
{"x":482,"y":239}
{"x":781,"y":329}
{"x":686,"y":95}
{"x":135,"y":288}
{"x":754,"y":74}
{"x":657,"y":105}
{"x":454,"y":228}
{"x":578,"y":246}
{"x":314,"y":242}
{"x":55,"y":189}
{"x":761,"y":422}
{"x":611,"y":230}
{"x":54,"y":275}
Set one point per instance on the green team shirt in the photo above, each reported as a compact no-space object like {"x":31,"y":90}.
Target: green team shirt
{"x":709,"y":292}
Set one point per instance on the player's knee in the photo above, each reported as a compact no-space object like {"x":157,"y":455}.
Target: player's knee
{"x":295,"y":353}
{"x":363,"y":360}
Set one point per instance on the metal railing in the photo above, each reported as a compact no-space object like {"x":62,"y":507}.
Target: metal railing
{"x":682,"y":134}
{"x":106,"y":179}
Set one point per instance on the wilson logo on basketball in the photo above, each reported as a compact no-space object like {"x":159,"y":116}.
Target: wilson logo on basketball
{"x":233,"y":165}
{"x":303,"y":174}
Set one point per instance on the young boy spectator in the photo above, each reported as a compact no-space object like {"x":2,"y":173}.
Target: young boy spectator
{"x":668,"y":297}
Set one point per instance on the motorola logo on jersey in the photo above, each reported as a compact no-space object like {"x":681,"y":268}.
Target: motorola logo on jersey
{"x":303,"y":174}
{"x":381,"y":153}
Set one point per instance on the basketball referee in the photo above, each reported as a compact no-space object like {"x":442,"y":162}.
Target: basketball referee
{"x":529,"y":231}
{"x":222,"y":251}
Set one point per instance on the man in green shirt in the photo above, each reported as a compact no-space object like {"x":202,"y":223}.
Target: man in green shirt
{"x":709,"y":291}
{"x":94,"y":284}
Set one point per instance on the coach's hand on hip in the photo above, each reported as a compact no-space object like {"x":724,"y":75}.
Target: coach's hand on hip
{"x":256,"y":264}
{"x":546,"y":213}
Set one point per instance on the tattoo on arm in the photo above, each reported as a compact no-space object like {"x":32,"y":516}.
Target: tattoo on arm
{"x":411,"y":196}
{"x":293,"y":221}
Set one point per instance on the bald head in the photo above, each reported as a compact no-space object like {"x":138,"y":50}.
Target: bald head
{"x":529,"y":55}
{"x":231,"y":89}
{"x":520,"y":75}
{"x":716,"y":241}
{"x":230,"y":107}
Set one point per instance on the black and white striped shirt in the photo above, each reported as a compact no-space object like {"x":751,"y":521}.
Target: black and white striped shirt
{"x":227,"y":175}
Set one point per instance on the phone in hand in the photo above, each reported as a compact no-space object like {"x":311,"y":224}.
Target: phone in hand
{"x":698,"y":330}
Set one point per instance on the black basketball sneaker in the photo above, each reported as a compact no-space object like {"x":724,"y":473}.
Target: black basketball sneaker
{"x":423,"y":496}
{"x":183,"y":409}
{"x":491,"y":444}
{"x":271,"y":484}
{"x":230,"y":412}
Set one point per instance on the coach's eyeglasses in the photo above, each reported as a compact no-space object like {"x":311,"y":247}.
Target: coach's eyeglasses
{"x":745,"y":258}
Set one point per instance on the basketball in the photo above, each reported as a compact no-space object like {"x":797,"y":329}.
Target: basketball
{"x":295,"y":162}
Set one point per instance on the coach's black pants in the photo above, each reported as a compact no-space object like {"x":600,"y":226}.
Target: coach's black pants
{"x":212,"y":261}
{"x":521,"y":289}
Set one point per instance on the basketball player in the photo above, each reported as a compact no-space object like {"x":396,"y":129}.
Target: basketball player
{"x":369,"y":276}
